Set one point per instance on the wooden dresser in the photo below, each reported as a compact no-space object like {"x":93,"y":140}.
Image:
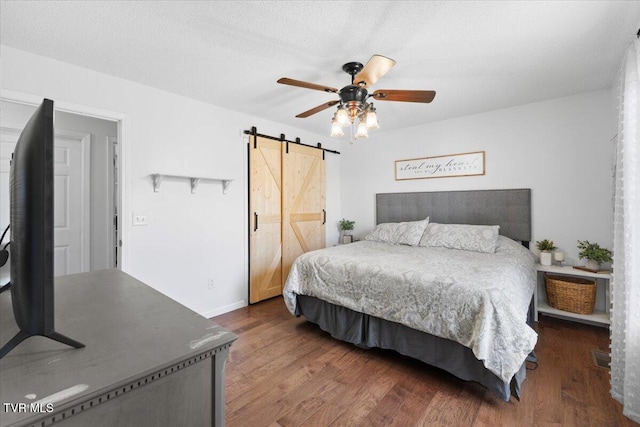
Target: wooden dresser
{"x":148,"y":360}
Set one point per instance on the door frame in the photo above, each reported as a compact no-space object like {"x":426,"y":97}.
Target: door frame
{"x":123,"y":122}
{"x":115,"y":259}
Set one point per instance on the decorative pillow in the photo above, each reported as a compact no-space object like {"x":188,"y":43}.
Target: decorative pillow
{"x":477,"y":238}
{"x":399,"y":233}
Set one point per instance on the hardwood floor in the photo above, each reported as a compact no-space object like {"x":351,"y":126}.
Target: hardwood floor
{"x":285,"y":371}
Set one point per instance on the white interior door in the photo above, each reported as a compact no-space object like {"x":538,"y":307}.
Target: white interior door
{"x":71,"y":203}
{"x":71,"y":198}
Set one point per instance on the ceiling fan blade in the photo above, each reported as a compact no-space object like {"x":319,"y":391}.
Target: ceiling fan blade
{"x":424,"y":96}
{"x":377,"y":67}
{"x":300,"y":83}
{"x":317,"y":109}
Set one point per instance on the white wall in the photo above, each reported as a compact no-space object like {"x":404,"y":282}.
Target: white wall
{"x":559,"y":148}
{"x":191,"y":238}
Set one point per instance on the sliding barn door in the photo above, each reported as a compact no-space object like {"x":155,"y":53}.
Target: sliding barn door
{"x":265,"y":201}
{"x":303,"y":202}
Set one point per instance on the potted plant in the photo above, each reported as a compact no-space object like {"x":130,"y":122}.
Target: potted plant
{"x":545,"y":247}
{"x":346,"y":227}
{"x":594,"y":254}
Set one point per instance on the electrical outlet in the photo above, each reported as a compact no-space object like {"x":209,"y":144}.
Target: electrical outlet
{"x":140,"y":218}
{"x":211,"y":285}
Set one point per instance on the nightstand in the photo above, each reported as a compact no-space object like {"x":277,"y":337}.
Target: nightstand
{"x":600,"y":315}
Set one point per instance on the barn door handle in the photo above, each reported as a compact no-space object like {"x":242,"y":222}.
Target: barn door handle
{"x":324,"y":216}
{"x":255,"y":221}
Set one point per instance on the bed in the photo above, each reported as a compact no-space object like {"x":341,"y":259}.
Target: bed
{"x":465,"y":311}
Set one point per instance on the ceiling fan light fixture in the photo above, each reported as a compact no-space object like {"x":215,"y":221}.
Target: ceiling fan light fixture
{"x":336,"y":129}
{"x":371,"y":119}
{"x":342,"y":117}
{"x":354,"y":109}
{"x":362,"y":130}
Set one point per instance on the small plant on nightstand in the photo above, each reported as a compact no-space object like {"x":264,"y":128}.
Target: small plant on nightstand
{"x":346,"y":227}
{"x":594,"y":254}
{"x":545,"y":247}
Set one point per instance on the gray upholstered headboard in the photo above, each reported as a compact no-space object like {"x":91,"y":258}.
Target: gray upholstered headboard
{"x":510,"y":209}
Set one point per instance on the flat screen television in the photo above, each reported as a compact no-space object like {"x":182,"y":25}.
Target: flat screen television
{"x":31,"y":224}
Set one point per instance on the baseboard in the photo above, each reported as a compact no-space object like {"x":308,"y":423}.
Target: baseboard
{"x":221,"y":310}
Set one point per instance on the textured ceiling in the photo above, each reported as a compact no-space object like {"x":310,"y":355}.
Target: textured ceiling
{"x":478,"y":56}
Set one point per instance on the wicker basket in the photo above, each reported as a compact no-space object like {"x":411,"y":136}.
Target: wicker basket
{"x":572,"y":294}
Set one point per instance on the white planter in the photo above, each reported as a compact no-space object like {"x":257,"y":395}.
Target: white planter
{"x":545,"y":258}
{"x":593,"y":265}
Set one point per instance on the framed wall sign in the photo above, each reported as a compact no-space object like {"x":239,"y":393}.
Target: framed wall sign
{"x":464,"y":164}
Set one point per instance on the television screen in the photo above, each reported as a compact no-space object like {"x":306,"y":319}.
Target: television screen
{"x":31,"y":231}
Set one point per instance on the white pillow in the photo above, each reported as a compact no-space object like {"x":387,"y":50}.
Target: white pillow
{"x":399,"y":233}
{"x":477,"y":238}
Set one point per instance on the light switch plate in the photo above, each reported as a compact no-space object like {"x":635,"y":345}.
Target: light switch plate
{"x":140,"y":218}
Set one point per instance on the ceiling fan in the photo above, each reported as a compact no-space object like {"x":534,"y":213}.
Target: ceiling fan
{"x":355,"y":104}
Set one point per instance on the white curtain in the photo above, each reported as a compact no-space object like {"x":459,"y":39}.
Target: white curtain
{"x":625,"y":287}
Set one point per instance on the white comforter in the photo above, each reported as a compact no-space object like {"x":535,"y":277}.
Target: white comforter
{"x":478,"y":300}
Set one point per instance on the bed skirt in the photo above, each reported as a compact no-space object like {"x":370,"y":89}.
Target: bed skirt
{"x":367,"y":332}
